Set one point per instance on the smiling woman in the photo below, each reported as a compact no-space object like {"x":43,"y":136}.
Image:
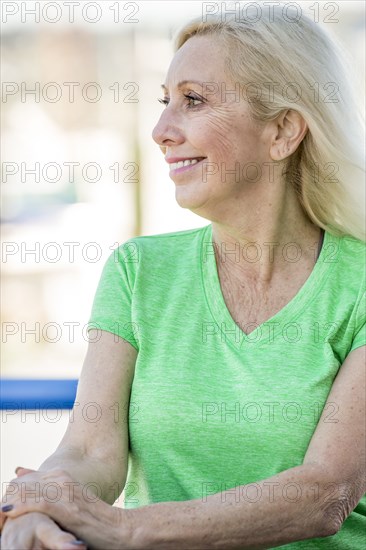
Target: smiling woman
{"x":242,"y":375}
{"x":218,"y":131}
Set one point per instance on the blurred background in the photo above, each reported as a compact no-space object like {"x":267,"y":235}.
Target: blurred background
{"x":81,"y":173}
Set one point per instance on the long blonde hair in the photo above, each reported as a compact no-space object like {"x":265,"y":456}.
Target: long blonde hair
{"x":327,"y":169}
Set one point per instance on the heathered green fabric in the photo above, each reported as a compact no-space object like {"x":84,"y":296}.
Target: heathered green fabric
{"x":212,"y":408}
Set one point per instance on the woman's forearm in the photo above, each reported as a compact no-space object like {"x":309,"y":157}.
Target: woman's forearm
{"x":96,"y":476}
{"x":293,"y":505}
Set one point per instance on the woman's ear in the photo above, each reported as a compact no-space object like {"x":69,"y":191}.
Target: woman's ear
{"x":290,"y":130}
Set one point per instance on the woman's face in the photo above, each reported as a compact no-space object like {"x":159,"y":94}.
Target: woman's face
{"x":207,"y":121}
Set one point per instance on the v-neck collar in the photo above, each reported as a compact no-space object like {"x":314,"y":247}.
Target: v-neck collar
{"x":328,"y":256}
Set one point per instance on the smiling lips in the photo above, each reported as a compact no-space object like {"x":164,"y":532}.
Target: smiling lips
{"x":175,"y":164}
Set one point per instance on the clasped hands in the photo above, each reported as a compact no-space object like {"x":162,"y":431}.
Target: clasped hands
{"x":40,"y":510}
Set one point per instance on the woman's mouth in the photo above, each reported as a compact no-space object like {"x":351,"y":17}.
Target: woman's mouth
{"x":184,"y":165}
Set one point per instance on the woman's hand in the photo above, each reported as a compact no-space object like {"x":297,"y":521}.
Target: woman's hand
{"x":36,"y":532}
{"x":74,"y":506}
{"x":19,"y":472}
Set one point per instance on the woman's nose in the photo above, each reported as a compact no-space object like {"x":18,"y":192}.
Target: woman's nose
{"x":167,"y":131}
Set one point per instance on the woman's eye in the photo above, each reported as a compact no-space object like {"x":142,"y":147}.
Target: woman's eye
{"x":164,"y":101}
{"x":193,"y":101}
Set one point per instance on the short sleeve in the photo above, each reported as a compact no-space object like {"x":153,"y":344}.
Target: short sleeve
{"x":112,"y":305}
{"x":359,"y":338}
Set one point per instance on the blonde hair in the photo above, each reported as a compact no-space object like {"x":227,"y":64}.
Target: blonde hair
{"x":327,"y":168}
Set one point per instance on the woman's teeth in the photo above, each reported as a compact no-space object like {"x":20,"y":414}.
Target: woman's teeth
{"x":181,"y":163}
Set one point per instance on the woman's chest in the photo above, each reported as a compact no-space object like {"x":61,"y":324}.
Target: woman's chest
{"x":223,"y":415}
{"x":251,"y":304}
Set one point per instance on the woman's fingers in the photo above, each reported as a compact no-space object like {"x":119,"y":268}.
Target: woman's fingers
{"x":37,"y":532}
{"x":51,"y":536}
{"x":20,"y":471}
{"x":20,"y":509}
{"x":35,"y":487}
{"x":2,"y":520}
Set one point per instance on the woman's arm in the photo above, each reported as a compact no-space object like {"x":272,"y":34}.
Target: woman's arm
{"x":308,"y":501}
{"x":94,"y":449}
{"x":311,"y":500}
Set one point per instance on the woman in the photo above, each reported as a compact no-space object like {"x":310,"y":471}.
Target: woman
{"x":238,"y":348}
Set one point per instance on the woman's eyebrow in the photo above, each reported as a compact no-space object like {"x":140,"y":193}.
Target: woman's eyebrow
{"x":183,"y":83}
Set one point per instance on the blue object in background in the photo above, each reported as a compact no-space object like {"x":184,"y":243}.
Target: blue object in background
{"x":20,"y":394}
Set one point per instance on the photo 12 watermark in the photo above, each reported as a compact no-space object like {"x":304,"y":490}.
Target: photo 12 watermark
{"x":51,"y":413}
{"x":68,"y":491}
{"x":69,"y":92}
{"x":53,"y":252}
{"x":270,"y":412}
{"x":273,"y":491}
{"x":271,"y":331}
{"x":90,"y":13}
{"x":253,"y":12}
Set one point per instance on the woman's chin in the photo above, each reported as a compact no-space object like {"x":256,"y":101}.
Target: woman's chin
{"x":188,"y":198}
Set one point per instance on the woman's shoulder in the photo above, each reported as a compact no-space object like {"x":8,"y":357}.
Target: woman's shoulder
{"x":164,"y":253}
{"x":353,"y":243}
{"x":344,"y":261}
{"x":345,"y":248}
{"x":351,"y":254}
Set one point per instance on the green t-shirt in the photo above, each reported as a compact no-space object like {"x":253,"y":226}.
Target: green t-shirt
{"x":212,"y":408}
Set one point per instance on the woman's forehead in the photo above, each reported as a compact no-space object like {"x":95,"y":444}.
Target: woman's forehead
{"x":200,"y":59}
